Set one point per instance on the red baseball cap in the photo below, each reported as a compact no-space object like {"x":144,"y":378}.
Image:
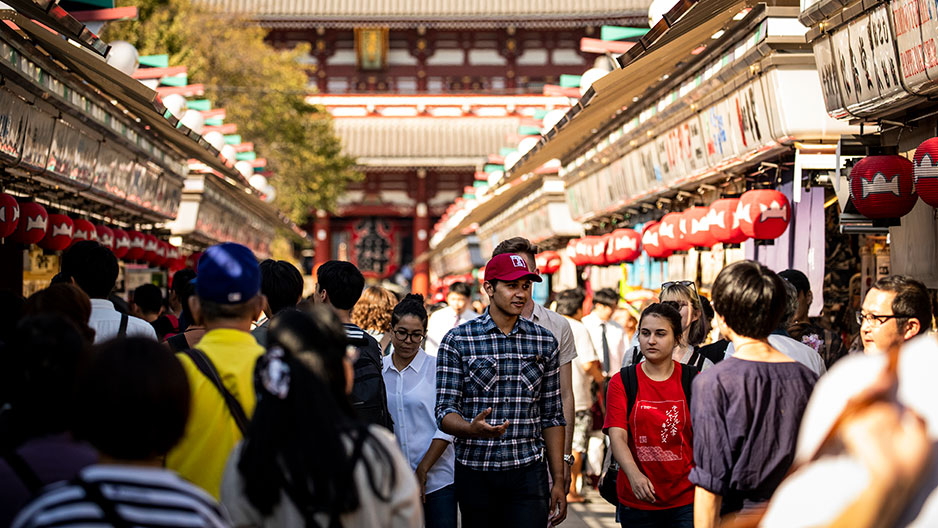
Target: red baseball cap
{"x":509,"y":267}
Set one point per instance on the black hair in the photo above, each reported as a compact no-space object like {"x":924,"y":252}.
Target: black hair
{"x":296,"y":442}
{"x":93,"y":266}
{"x":570,"y":301}
{"x":606,"y":297}
{"x":911,"y":300}
{"x":39,"y":367}
{"x":668,"y":311}
{"x":342,"y":281}
{"x":149,"y":298}
{"x":411,"y":304}
{"x":282,"y":283}
{"x":133,"y":402}
{"x":750,"y":297}
{"x":460,"y":288}
{"x":797,"y":279}
{"x":706,"y":307}
{"x":183,"y":288}
{"x":791,"y":306}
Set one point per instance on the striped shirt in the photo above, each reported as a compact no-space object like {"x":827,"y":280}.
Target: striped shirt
{"x":138,"y":496}
{"x":517,"y":375}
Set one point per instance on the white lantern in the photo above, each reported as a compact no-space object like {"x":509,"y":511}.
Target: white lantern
{"x":194,"y":120}
{"x":229,"y":153}
{"x":657,"y":10}
{"x":269,"y":193}
{"x":511,"y":159}
{"x":551,"y":119}
{"x":258,"y":181}
{"x":494,"y":177}
{"x":245,"y":168}
{"x":215,"y":139}
{"x":527,"y":144}
{"x":123,"y":56}
{"x":589,"y":77}
{"x":176,"y":104}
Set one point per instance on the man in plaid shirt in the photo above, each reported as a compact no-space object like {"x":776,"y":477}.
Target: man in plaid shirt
{"x":504,"y":368}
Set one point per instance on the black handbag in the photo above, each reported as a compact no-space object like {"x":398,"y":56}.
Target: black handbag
{"x":607,"y":482}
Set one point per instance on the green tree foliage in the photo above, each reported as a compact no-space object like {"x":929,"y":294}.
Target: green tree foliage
{"x":261,"y":88}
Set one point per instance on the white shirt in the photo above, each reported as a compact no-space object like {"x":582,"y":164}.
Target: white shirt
{"x":106,"y":321}
{"x":615,"y":338}
{"x":411,"y":400}
{"x":821,"y":490}
{"x":442,"y":321}
{"x":794,"y":349}
{"x":583,"y":396}
{"x":557,"y":325}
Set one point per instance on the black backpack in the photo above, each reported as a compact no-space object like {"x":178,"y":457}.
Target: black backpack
{"x":369,"y":397}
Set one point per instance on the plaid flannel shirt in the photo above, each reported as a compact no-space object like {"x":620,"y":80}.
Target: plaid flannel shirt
{"x":517,"y":375}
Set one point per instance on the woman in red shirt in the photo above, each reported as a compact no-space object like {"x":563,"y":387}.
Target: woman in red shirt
{"x":651,"y":437}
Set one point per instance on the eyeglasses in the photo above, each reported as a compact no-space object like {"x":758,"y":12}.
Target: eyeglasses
{"x":402,"y":335}
{"x":876,"y":319}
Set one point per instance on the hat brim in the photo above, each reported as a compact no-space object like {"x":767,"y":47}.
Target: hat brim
{"x":517,"y":275}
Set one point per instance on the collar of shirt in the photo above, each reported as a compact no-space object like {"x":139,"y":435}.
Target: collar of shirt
{"x":416,"y":364}
{"x":102,"y":304}
{"x":488,"y":324}
{"x":227,"y":337}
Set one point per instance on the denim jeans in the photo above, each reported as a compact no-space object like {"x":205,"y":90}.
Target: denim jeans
{"x":439,"y":508}
{"x":679,"y":517}
{"x":515,"y":498}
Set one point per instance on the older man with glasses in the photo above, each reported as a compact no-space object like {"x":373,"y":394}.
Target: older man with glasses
{"x":896,"y":309}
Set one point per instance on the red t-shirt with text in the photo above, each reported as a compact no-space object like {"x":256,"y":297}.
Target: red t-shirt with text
{"x":660,"y":438}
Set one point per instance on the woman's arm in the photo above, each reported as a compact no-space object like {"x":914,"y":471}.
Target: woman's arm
{"x":434,"y":452}
{"x":641,"y":485}
{"x":706,"y":508}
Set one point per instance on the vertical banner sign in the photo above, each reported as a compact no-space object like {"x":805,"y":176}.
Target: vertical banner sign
{"x":830,"y":82}
{"x":929,"y":40}
{"x":886,"y":73}
{"x":861,"y":61}
{"x":373,"y":248}
{"x":748,"y":103}
{"x":907,"y":17}
{"x":845,"y":63}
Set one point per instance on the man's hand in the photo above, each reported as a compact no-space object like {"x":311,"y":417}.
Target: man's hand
{"x":422,"y":482}
{"x":479,"y":428}
{"x":567,"y":477}
{"x":558,"y":503}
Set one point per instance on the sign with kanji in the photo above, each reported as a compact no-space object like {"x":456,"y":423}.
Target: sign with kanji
{"x":374,"y":247}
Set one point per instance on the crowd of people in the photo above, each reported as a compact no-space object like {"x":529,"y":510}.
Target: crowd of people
{"x":235,"y":401}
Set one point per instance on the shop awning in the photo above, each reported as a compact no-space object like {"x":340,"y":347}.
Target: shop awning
{"x":660,"y":52}
{"x":130,"y":93}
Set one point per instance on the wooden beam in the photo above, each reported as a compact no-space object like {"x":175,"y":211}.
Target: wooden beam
{"x":591,"y":45}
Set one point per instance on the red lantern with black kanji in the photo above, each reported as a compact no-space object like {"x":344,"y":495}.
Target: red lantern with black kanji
{"x":926,"y":171}
{"x":548,"y":261}
{"x":9,"y":215}
{"x":763,"y":213}
{"x":669,"y":232}
{"x":84,"y":230}
{"x":697,"y":221}
{"x":723,"y":223}
{"x":105,"y":236}
{"x":624,"y":245}
{"x":59,"y":233}
{"x":137,"y":243}
{"x":883,"y":186}
{"x":32,"y":225}
{"x":651,"y":241}
{"x":121,"y":243}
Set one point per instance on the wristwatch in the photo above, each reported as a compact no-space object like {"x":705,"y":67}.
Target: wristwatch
{"x":568,"y":459}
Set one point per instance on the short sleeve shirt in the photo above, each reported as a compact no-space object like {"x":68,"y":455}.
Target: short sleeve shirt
{"x":560,"y":328}
{"x":660,"y":438}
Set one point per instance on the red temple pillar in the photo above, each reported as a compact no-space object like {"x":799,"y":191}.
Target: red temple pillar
{"x":323,"y":239}
{"x":421,"y":283}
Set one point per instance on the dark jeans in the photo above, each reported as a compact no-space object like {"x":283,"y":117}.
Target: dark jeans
{"x":515,"y":498}
{"x":439,"y":508}
{"x":680,"y":517}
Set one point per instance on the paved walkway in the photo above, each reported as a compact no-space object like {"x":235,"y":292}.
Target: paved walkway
{"x":597,"y":513}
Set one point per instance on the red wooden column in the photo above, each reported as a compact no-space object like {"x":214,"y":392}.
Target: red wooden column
{"x":421,"y":283}
{"x":323,"y":239}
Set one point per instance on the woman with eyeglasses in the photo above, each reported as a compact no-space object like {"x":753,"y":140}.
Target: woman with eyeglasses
{"x":410,"y":378}
{"x":683,"y":296}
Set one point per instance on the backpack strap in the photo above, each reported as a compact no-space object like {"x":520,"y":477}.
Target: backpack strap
{"x":687,"y":380}
{"x":629,"y":377}
{"x":178,"y":343}
{"x":696,"y":360}
{"x":122,"y":329}
{"x":23,"y":471}
{"x":205,"y":366}
{"x":94,"y":494}
{"x":636,"y":355}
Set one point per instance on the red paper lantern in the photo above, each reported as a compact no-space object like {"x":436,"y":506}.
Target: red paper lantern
{"x":763,"y":213}
{"x":149,"y":248}
{"x":883,"y":186}
{"x":137,"y":242}
{"x":121,"y":244}
{"x":548,"y":261}
{"x":9,"y":215}
{"x":651,"y":241}
{"x":698,"y":227}
{"x":105,"y":236}
{"x":59,"y":233}
{"x":670,"y":234}
{"x":84,"y":230}
{"x":624,"y":245}
{"x":926,"y":171}
{"x":193,"y":261}
{"x":32,"y":227}
{"x":161,"y":253}
{"x":175,"y":261}
{"x":596,"y":248}
{"x":723,"y":223}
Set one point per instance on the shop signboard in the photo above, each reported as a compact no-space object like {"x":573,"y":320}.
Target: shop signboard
{"x":111,"y":174}
{"x":718,"y":133}
{"x":73,"y":154}
{"x":12,"y":120}
{"x":36,"y":139}
{"x":885,"y":63}
{"x":751,"y":116}
{"x":830,"y":81}
{"x":916,"y":30}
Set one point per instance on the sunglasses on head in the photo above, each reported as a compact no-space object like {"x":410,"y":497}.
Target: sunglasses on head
{"x":690,"y":284}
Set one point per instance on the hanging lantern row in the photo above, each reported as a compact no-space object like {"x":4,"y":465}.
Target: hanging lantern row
{"x":888,"y":186}
{"x":760,"y":214}
{"x":548,"y":262}
{"x":29,"y":223}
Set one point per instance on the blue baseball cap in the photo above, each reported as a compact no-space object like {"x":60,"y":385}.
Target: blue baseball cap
{"x":228,"y":274}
